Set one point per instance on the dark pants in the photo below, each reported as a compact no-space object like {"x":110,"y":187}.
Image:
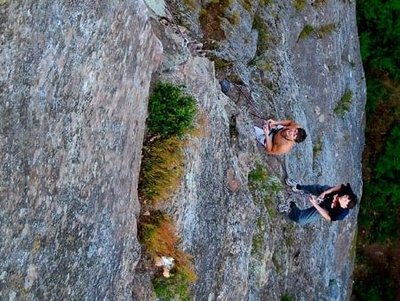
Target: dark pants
{"x":309,"y":215}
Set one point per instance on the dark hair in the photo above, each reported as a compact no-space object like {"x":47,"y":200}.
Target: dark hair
{"x":346,"y":190}
{"x":301,"y":135}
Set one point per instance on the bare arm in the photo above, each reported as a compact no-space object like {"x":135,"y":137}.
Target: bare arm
{"x":330,"y":190}
{"x":321,"y":210}
{"x":286,"y":122}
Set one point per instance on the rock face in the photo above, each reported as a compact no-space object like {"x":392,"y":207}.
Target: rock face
{"x":243,"y":249}
{"x":74,"y":88}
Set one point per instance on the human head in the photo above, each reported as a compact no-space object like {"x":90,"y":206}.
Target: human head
{"x":346,"y":190}
{"x":301,"y":135}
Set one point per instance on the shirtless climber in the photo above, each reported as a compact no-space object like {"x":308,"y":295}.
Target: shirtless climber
{"x":278,"y":137}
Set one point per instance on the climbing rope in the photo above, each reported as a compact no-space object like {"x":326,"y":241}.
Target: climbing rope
{"x":249,"y":102}
{"x":185,"y":41}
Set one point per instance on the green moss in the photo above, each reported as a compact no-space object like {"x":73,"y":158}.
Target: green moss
{"x":257,"y":177}
{"x":247,"y":4}
{"x":158,"y":234}
{"x":220,"y":64}
{"x":234,"y":19}
{"x":306,"y":32}
{"x":264,"y":189}
{"x":257,"y":243}
{"x":344,"y":104}
{"x":170,"y":288}
{"x":317,"y":147}
{"x":299,"y":4}
{"x":264,"y":3}
{"x":263,"y":35}
{"x":287,"y":297}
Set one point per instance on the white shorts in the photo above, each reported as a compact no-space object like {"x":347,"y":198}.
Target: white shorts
{"x":260,"y":136}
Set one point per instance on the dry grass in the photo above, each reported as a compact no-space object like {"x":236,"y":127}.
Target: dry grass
{"x":162,"y":169}
{"x":325,"y":30}
{"x":158,"y":234}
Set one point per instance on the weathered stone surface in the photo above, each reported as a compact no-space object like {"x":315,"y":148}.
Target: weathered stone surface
{"x":243,"y":249}
{"x":74,"y":85}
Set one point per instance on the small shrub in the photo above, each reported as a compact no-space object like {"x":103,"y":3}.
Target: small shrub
{"x":169,"y":288}
{"x":157,"y":233}
{"x":171,"y":111}
{"x":306,"y":32}
{"x":343,"y":106}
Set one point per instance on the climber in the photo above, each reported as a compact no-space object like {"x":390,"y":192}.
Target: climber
{"x":331,"y":203}
{"x":278,"y":137}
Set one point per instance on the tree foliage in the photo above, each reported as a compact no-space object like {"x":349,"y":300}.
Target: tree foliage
{"x":379,"y":218}
{"x":379,"y":27}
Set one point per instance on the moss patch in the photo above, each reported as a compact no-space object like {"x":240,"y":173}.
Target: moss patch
{"x":299,"y":4}
{"x":344,"y":104}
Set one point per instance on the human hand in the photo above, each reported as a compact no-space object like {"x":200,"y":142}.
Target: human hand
{"x":313,"y":200}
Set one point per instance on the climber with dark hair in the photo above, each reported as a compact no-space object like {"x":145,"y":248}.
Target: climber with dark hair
{"x":331,"y":203}
{"x":278,"y":137}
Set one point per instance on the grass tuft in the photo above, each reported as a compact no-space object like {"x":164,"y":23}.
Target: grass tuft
{"x":171,"y":114}
{"x":162,"y":169}
{"x":264,"y":188}
{"x":157,"y":233}
{"x":344,"y":104}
